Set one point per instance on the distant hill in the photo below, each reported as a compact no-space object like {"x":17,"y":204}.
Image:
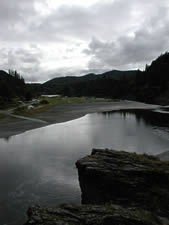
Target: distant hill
{"x":57,"y":85}
{"x":118,"y":74}
{"x":150,"y":85}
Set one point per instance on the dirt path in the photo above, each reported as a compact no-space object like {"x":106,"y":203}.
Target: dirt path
{"x":8,"y":113}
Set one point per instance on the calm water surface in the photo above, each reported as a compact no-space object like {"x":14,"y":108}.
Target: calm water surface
{"x":38,"y":166}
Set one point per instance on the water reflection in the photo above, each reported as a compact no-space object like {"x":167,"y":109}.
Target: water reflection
{"x":38,"y":166}
{"x":7,"y":139}
{"x":149,"y":117}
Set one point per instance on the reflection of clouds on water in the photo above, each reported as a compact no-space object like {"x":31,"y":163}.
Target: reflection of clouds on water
{"x":126,"y":130}
{"x":38,"y":166}
{"x":162,"y":132}
{"x":7,"y":139}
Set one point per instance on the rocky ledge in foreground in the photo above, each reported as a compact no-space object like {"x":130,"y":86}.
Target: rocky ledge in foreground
{"x":126,"y":179}
{"x":92,"y":215}
{"x":117,"y":188}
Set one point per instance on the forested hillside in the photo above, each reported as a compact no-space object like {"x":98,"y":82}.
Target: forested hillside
{"x":151,"y":85}
{"x":67,"y":85}
{"x":12,"y":85}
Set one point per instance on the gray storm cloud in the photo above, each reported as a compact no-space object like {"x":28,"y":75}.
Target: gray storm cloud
{"x":133,"y":50}
{"x":121,"y":34}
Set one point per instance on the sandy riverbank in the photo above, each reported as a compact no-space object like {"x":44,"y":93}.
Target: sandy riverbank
{"x":60,"y":113}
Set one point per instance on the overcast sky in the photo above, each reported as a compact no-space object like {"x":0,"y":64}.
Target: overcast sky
{"x":43,"y":39}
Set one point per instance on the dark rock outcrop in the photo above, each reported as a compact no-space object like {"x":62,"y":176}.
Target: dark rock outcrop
{"x":92,"y":215}
{"x":126,"y":179}
{"x":118,"y":188}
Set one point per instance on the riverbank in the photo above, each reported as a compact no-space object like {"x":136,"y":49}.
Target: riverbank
{"x":10,"y":126}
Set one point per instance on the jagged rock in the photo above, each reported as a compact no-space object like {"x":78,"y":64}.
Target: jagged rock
{"x":126,"y":179}
{"x":92,"y":215}
{"x":120,"y":188}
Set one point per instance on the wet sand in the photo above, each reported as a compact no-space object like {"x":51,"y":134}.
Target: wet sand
{"x":61,"y":113}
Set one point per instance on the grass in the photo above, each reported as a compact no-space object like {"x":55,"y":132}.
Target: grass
{"x":2,"y":116}
{"x":151,"y":162}
{"x":8,"y":105}
{"x":68,"y":100}
{"x":53,"y":101}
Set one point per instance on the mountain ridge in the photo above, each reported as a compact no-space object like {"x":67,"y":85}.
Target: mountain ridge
{"x":56,"y":85}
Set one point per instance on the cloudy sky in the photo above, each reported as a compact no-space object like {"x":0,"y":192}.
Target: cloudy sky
{"x":43,"y":39}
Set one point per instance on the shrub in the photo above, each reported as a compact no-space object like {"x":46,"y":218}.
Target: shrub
{"x":44,"y":101}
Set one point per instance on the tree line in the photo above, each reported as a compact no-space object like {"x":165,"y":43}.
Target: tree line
{"x":12,"y":85}
{"x":150,"y":85}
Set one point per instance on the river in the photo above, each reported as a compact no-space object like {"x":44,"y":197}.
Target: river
{"x":38,"y":166}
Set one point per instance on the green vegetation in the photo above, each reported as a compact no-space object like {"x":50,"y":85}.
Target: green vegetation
{"x":150,"y":85}
{"x":8,"y":104}
{"x":153,"y":163}
{"x":12,"y":88}
{"x":69,"y":100}
{"x":45,"y":103}
{"x":2,"y":116}
{"x":59,"y":85}
{"x":92,"y":214}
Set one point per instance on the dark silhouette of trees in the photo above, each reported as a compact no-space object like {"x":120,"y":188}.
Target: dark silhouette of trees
{"x":150,"y":85}
{"x":12,"y":86}
{"x":154,"y":81}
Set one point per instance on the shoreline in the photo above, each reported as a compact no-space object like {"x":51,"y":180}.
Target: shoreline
{"x":11,"y":126}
